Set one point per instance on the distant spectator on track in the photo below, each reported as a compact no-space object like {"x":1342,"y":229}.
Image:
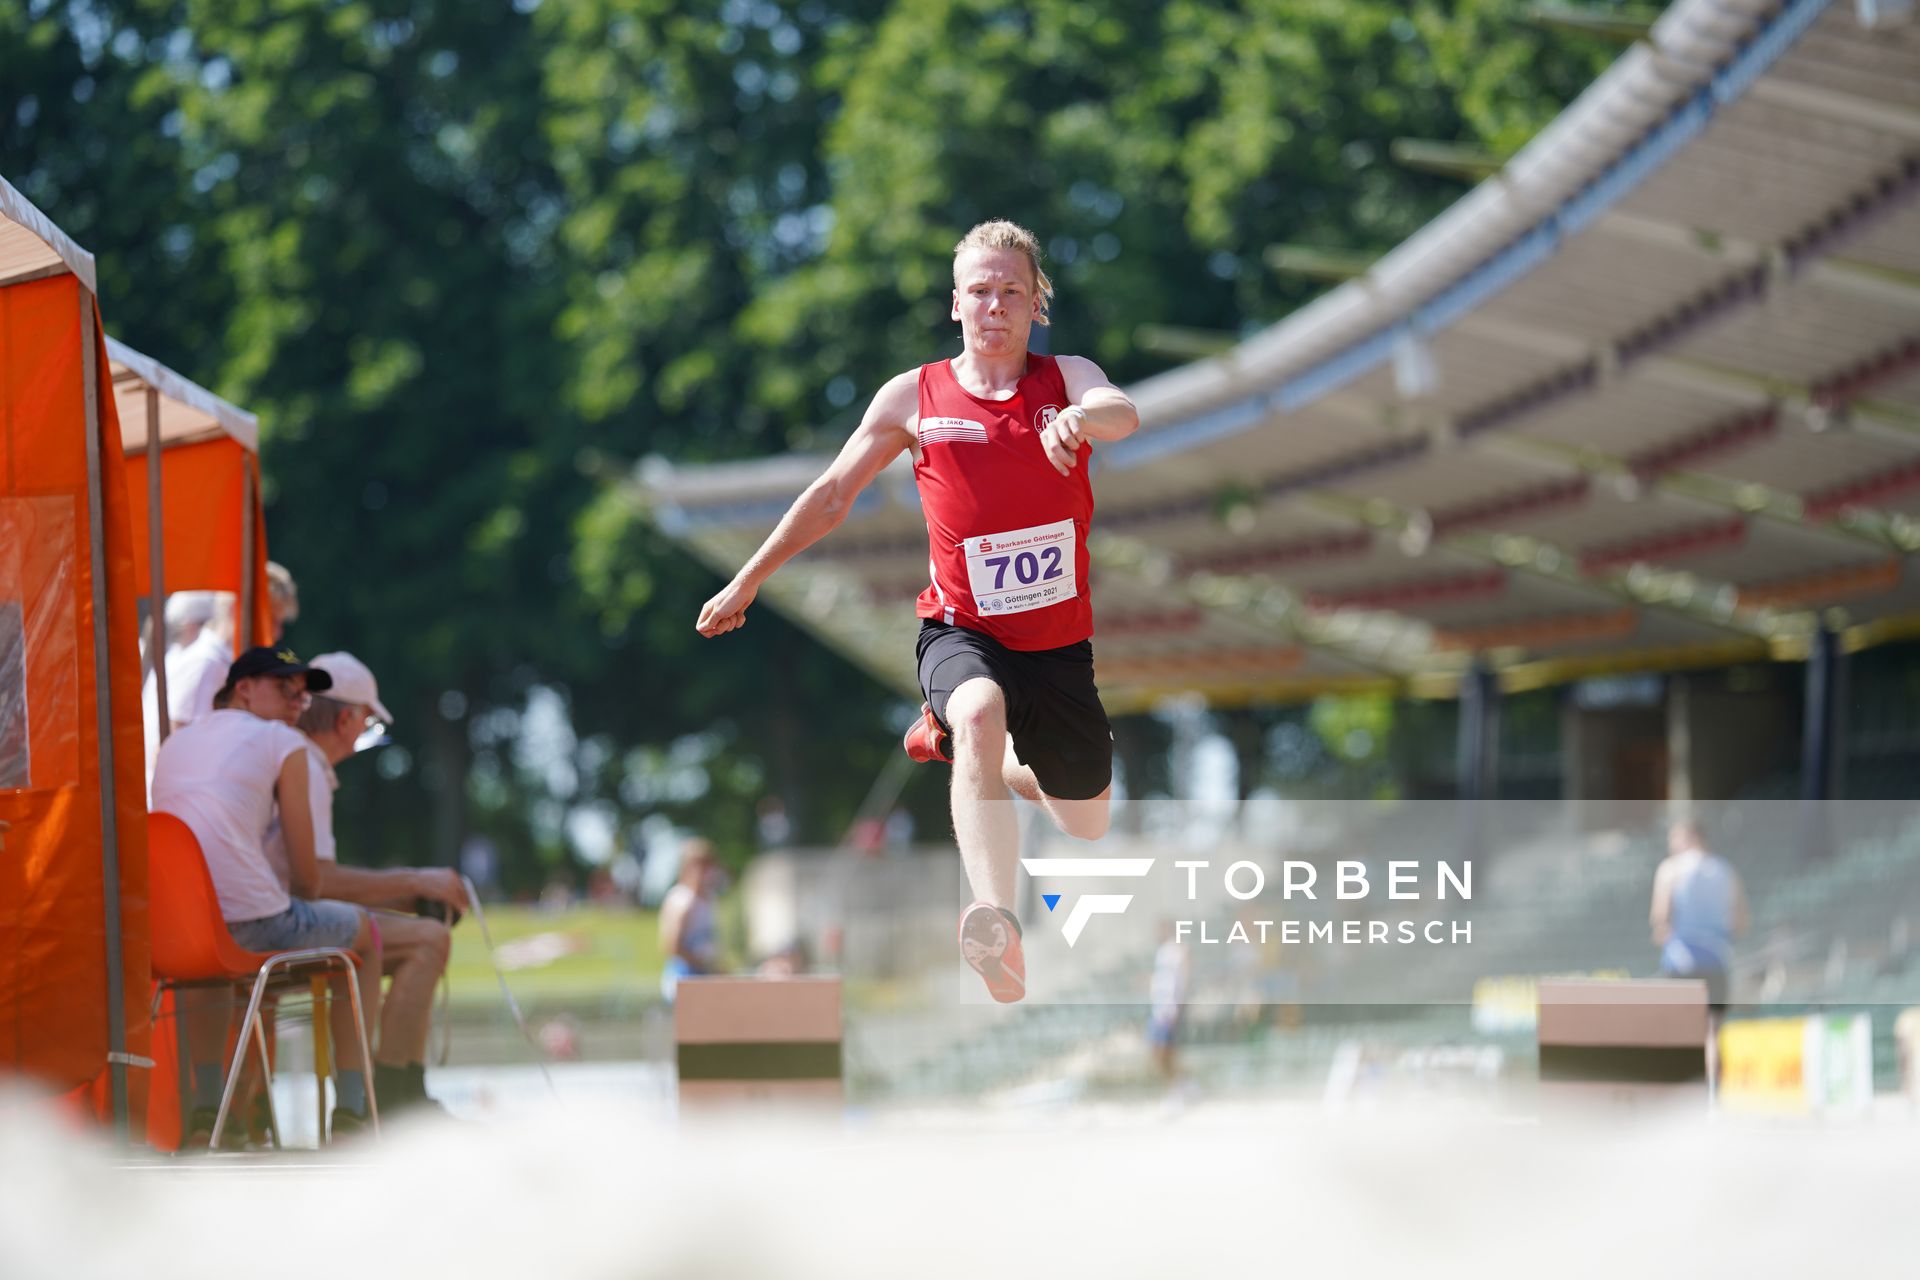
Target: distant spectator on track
{"x":1699,"y":908}
{"x":689,"y":931}
{"x":1168,"y":994}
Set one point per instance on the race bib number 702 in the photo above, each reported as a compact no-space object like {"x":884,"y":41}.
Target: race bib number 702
{"x":1021,"y":569}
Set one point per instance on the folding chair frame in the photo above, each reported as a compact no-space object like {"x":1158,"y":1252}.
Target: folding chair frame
{"x":316,"y":962}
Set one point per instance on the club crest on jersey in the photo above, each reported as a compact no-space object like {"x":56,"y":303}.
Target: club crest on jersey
{"x":1044,"y":415}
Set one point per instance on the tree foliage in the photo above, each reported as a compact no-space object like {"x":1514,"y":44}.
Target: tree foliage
{"x":472,"y":262}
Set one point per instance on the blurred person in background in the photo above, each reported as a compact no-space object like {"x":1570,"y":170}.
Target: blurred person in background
{"x":689,"y":932}
{"x":283,"y":597}
{"x":413,"y":947}
{"x":1167,"y":995}
{"x":229,"y":776}
{"x":196,"y":665}
{"x":772,"y":824}
{"x":1699,"y":908}
{"x":199,"y":651}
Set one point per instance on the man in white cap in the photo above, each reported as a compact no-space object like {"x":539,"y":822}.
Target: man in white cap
{"x":413,"y":947}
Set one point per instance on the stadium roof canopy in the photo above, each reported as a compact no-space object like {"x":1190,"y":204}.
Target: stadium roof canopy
{"x":1647,"y":398}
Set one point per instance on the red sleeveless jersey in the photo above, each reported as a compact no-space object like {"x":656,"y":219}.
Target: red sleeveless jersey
{"x":1006,"y":533}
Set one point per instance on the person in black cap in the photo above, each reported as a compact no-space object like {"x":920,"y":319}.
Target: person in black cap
{"x":232,"y":776}
{"x":271,"y":683}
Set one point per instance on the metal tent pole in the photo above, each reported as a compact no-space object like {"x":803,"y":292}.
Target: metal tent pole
{"x":244,"y":637}
{"x":156,"y":576}
{"x":103,"y":706}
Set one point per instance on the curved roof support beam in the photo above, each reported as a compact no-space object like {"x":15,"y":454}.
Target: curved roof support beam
{"x":1753,"y":395}
{"x":1839,"y":107}
{"x":1645,"y":586}
{"x":1838,"y":274}
{"x":1391,"y":647}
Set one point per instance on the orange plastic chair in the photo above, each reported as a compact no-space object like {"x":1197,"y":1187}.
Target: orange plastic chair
{"x":192,"y":949}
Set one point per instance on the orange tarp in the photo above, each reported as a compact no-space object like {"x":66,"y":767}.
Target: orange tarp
{"x":202,"y":491}
{"x":53,"y":963}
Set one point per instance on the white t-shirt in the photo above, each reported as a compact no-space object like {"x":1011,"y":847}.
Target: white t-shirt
{"x":217,"y":775}
{"x":322,"y":782}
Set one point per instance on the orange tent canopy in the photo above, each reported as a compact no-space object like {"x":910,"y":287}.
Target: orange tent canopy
{"x":74,"y":960}
{"x":207,"y":490}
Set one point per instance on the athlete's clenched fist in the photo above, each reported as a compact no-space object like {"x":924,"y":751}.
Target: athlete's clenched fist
{"x":726,"y":611}
{"x":1063,"y":437}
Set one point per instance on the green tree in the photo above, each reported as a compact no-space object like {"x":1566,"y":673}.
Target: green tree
{"x":472,"y":262}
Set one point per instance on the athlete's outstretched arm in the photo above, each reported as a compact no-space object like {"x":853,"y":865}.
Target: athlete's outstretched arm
{"x":882,"y":434}
{"x":1096,"y":410}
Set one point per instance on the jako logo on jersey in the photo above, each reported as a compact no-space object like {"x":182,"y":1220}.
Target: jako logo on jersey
{"x":952,"y":431}
{"x":1092,"y":904}
{"x":1045,"y":414}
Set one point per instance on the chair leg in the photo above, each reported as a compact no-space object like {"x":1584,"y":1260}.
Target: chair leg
{"x":360,"y":1030}
{"x":183,"y":1069}
{"x":240,"y":1057}
{"x":322,"y":1052}
{"x":266,"y":1075}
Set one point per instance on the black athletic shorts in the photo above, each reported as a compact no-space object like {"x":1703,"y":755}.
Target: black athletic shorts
{"x":1059,"y":728}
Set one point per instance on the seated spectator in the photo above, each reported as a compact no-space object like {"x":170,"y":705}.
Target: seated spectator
{"x":223,"y":775}
{"x":414,"y":948}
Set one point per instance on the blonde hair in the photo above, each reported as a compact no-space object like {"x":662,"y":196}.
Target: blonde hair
{"x":1001,"y":234}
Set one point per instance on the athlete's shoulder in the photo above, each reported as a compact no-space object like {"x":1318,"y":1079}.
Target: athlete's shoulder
{"x":902,"y":390}
{"x":1081,"y":365}
{"x":1081,"y":375}
{"x":896,"y":404}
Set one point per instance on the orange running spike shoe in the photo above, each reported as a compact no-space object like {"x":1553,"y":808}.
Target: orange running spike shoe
{"x":990,"y":944}
{"x":926,"y":740}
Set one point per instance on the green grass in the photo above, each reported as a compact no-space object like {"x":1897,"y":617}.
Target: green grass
{"x":620,"y":959}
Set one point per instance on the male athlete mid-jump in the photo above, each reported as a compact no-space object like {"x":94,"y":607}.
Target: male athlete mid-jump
{"x":999,"y":439}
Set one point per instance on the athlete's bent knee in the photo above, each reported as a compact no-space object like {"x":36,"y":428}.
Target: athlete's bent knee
{"x":1083,"y":819}
{"x":977,"y":712}
{"x":1089,"y":826}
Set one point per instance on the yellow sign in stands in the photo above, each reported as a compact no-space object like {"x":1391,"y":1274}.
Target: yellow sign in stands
{"x":1820,"y":1065}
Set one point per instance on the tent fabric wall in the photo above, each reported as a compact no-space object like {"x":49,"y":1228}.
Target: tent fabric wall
{"x":202,"y":491}
{"x":53,"y":966}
